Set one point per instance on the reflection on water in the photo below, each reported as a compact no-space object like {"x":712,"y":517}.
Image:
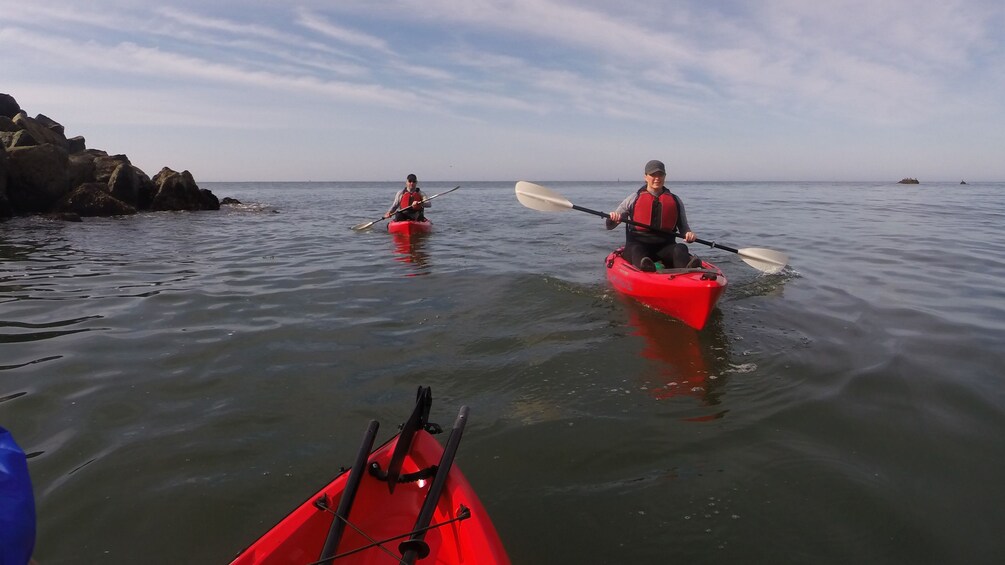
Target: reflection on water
{"x":686,"y":363}
{"x":411,"y":248}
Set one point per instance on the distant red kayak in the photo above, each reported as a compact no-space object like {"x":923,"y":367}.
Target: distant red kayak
{"x":688,"y":295}
{"x":409,"y":226}
{"x":403,"y":503}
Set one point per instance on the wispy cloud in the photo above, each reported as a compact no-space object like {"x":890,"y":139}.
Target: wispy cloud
{"x":131,"y":58}
{"x":341,"y":34}
{"x":194,"y":20}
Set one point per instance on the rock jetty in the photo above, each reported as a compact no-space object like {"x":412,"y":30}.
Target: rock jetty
{"x":44,"y":172}
{"x":908,"y":181}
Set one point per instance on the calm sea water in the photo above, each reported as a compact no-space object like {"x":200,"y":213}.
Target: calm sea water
{"x":183,"y":380}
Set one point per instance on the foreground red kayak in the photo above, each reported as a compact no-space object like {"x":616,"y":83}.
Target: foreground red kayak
{"x":409,"y":226}
{"x":688,"y":295}
{"x":403,"y":503}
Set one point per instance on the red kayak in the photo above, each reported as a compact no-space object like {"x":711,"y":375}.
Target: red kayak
{"x":404,"y":502}
{"x":409,"y":226}
{"x":688,"y":295}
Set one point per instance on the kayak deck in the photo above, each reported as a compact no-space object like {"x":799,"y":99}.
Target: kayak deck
{"x":408,"y":497}
{"x":688,"y":295}
{"x":409,"y":226}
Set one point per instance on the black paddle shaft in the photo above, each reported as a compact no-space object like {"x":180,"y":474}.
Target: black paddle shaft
{"x":417,"y":421}
{"x":675,"y":234}
{"x":349,"y":494}
{"x":415,"y":546}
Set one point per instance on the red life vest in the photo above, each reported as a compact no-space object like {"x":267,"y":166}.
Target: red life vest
{"x":409,"y":198}
{"x":658,"y":212}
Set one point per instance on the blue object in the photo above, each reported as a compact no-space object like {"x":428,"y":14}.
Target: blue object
{"x":17,"y":504}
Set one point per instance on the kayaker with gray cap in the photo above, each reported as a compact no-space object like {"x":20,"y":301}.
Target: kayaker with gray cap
{"x":655,"y":206}
{"x":408,"y":202}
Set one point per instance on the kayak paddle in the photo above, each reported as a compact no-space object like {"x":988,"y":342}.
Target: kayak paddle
{"x":361,"y":227}
{"x":537,"y":197}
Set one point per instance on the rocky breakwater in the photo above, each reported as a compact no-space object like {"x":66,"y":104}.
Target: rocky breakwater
{"x":43,"y":172}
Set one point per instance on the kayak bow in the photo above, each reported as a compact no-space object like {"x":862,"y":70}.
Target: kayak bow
{"x":403,"y":503}
{"x":688,"y":295}
{"x":409,"y":227}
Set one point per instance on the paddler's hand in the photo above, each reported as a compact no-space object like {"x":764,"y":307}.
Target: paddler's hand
{"x":612,"y":220}
{"x":690,"y":237}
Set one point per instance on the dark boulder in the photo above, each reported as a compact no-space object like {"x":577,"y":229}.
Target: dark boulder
{"x":40,"y":131}
{"x":124,"y":184}
{"x":209,"y":200}
{"x":41,"y":170}
{"x":8,"y":106}
{"x":92,"y":199}
{"x":5,"y":209}
{"x":37,"y":177}
{"x":50,"y":124}
{"x":76,"y":144}
{"x":145,"y":190}
{"x":20,"y":138}
{"x":81,"y":168}
{"x":175,"y":191}
{"x":105,"y":165}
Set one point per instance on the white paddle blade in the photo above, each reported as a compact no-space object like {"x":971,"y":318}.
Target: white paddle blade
{"x":537,"y":197}
{"x":765,"y":260}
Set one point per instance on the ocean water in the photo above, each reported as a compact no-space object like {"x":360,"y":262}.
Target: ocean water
{"x":182,"y":380}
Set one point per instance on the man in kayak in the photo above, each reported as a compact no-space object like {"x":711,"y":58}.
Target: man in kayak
{"x":408,"y":203}
{"x":655,"y":206}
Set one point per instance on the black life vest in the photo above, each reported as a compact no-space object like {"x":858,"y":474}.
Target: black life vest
{"x":659,"y":212}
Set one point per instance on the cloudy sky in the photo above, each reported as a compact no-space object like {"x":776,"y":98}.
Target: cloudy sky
{"x":872,"y":90}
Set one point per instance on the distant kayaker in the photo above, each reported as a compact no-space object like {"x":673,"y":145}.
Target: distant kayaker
{"x":408,"y":203}
{"x":655,"y":206}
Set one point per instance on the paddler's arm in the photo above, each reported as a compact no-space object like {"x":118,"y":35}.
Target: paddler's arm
{"x":682,"y":225}
{"x":394,"y":205}
{"x":614,"y":218}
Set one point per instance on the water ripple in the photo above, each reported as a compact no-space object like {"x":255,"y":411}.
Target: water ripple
{"x":191,"y":359}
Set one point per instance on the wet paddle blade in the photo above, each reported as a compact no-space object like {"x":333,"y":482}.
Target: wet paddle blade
{"x":764,"y":260}
{"x":537,"y":197}
{"x":361,"y":227}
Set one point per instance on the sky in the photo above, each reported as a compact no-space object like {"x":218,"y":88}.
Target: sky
{"x":539,"y":90}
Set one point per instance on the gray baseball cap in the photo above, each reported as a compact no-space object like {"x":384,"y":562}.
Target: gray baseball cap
{"x":654,"y":166}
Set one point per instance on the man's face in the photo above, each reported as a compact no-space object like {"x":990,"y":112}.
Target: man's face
{"x":655,"y":180}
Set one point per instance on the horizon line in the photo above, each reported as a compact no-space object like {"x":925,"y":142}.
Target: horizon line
{"x":632,"y":181}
